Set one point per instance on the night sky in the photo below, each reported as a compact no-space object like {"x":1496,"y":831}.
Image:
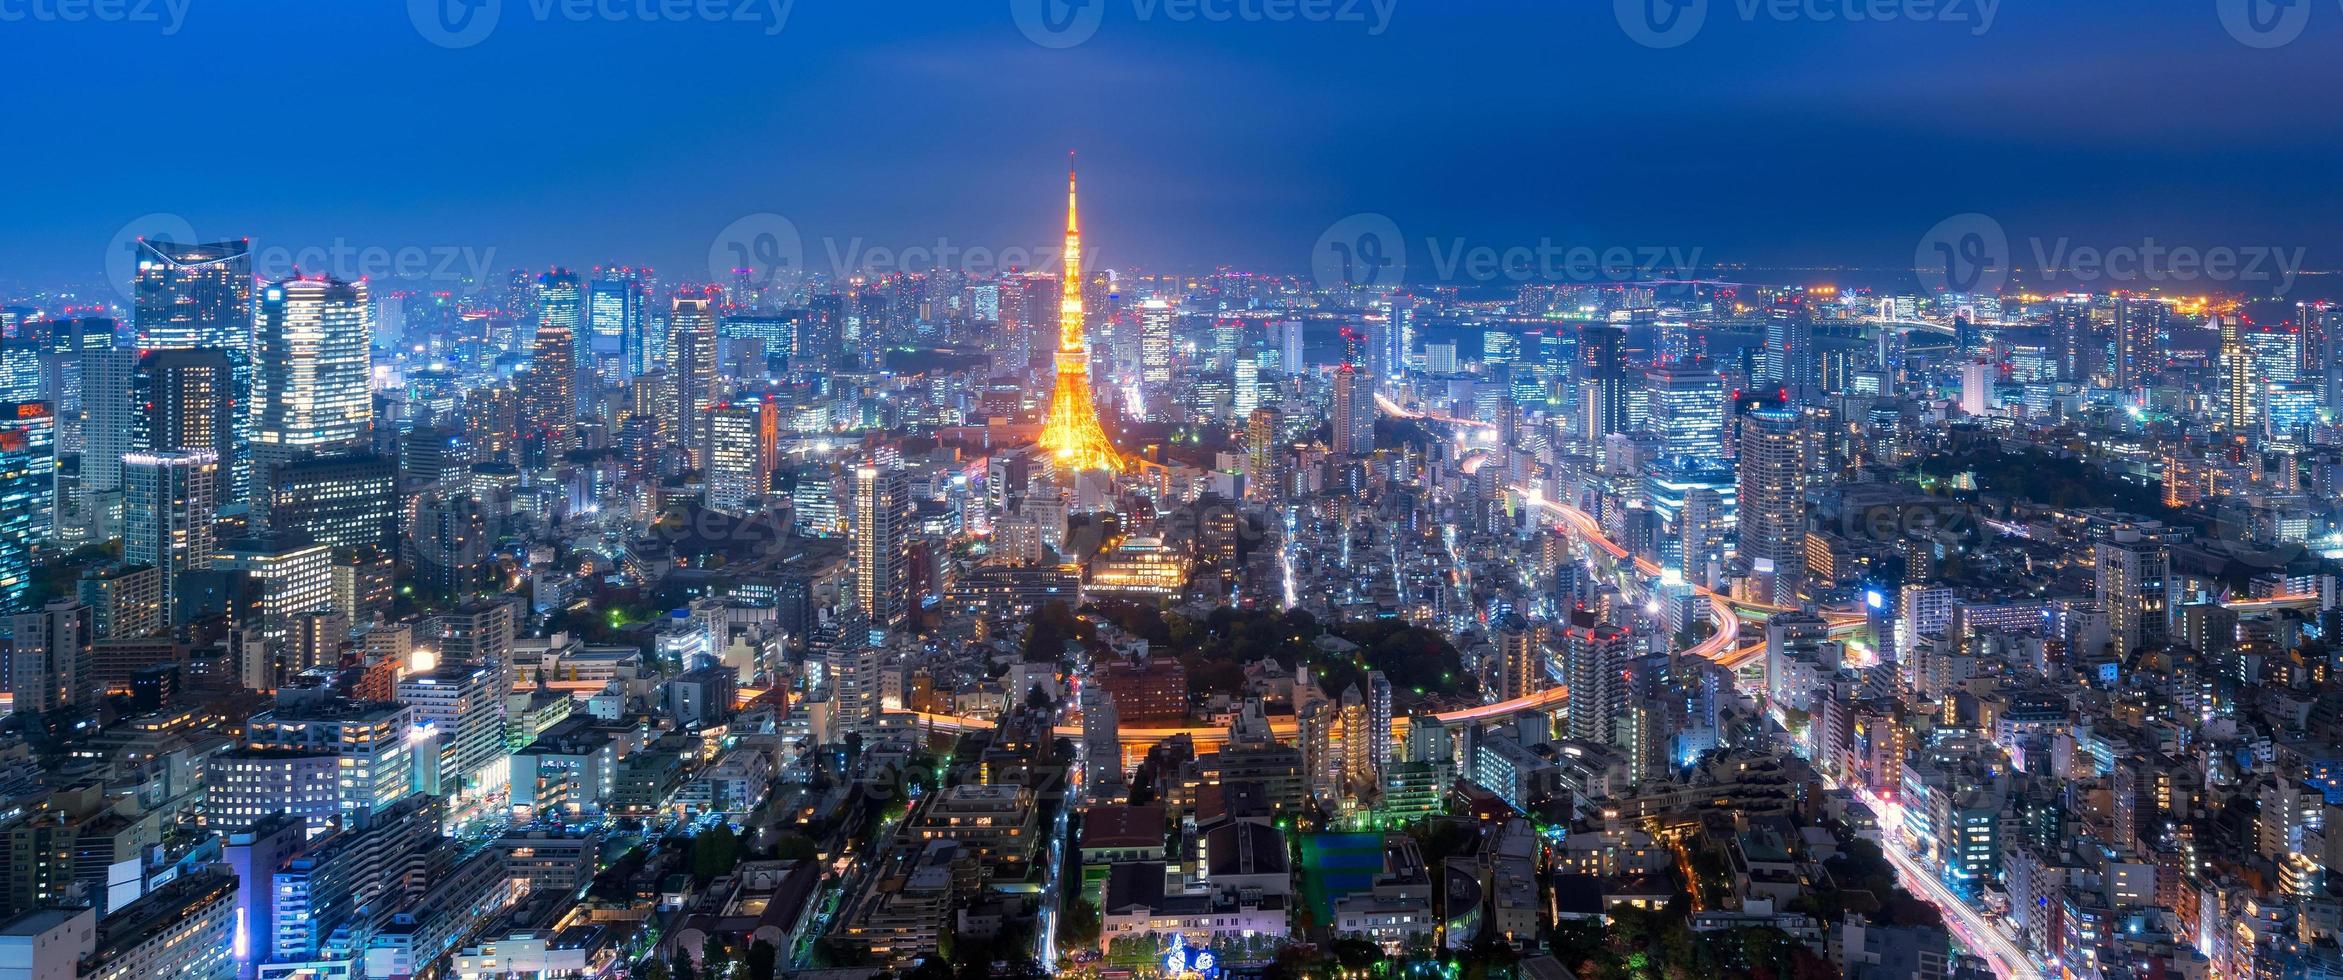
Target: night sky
{"x":1500,"y":122}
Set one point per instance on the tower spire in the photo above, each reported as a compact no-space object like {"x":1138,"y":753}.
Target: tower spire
{"x":1072,"y":434}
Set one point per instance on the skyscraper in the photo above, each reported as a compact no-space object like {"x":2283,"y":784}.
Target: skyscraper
{"x":1687,"y":407}
{"x":1072,"y":435}
{"x":1521,"y":668}
{"x":167,"y":509}
{"x":1354,"y":412}
{"x":109,"y":421}
{"x":743,"y":441}
{"x":28,"y":483}
{"x":50,"y":667}
{"x":1593,"y":655}
{"x":1155,"y":341}
{"x":1790,"y":357}
{"x":549,"y":393}
{"x":184,"y":399}
{"x":2134,"y":581}
{"x":194,"y":295}
{"x":691,"y":367}
{"x":560,"y":300}
{"x":880,"y":525}
{"x":312,"y":357}
{"x":1772,"y":467}
{"x":2240,"y":386}
{"x":618,"y":308}
{"x":1604,"y":381}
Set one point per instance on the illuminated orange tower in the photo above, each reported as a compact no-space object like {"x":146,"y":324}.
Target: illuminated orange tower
{"x":1072,"y":435}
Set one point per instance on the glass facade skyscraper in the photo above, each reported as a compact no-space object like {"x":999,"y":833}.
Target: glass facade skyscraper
{"x":311,"y":363}
{"x":194,"y":295}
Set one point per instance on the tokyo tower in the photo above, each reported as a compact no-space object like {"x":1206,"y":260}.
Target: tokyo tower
{"x":1072,"y":435}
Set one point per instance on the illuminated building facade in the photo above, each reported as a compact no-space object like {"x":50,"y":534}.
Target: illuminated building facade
{"x":194,"y":295}
{"x":167,"y":510}
{"x":691,"y":368}
{"x":311,"y":357}
{"x":1772,"y":474}
{"x":880,"y":525}
{"x":28,"y":467}
{"x":743,"y":441}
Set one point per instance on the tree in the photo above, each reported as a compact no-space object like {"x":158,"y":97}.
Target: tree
{"x":716,"y":958}
{"x":1080,"y":925}
{"x":714,"y":853}
{"x":761,"y":959}
{"x":680,"y":967}
{"x":794,"y":846}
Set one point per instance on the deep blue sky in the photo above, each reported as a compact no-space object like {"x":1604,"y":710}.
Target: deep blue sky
{"x":1501,"y":121}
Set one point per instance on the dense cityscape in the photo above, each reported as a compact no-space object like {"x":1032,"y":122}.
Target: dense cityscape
{"x":1582,"y":604}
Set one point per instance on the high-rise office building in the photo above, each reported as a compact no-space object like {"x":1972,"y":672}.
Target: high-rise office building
{"x":2134,"y":580}
{"x":49,"y":663}
{"x":2240,"y":385}
{"x":28,"y":488}
{"x":880,"y":525}
{"x":1772,"y":471}
{"x":109,"y":423}
{"x":743,"y":447}
{"x":1687,"y":412}
{"x":1354,"y":412}
{"x":560,"y":300}
{"x":465,"y":702}
{"x":691,"y":368}
{"x":194,"y":295}
{"x":1790,"y":357}
{"x":312,"y":357}
{"x":168,"y":500}
{"x":618,"y":309}
{"x":183,"y":399}
{"x":1155,"y":341}
{"x":1604,"y":381}
{"x":346,"y":500}
{"x":549,"y":402}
